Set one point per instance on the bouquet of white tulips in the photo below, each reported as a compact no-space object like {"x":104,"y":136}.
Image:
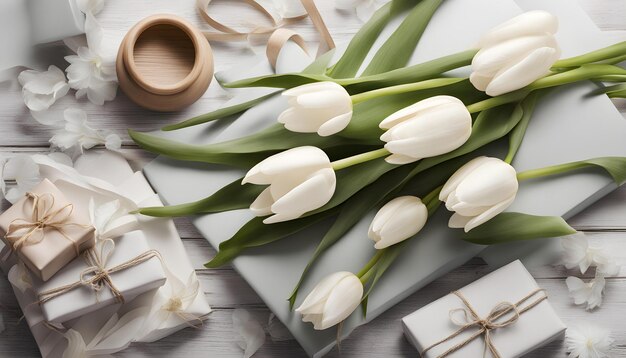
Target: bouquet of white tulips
{"x":400,"y":138}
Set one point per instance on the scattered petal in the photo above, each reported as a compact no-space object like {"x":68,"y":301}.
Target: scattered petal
{"x":40,"y":90}
{"x":578,"y":253}
{"x":20,"y":277}
{"x":277,"y":331}
{"x":23,"y":169}
{"x":588,"y":341}
{"x":589,"y":293}
{"x":250,"y":330}
{"x":77,"y":133}
{"x":90,"y":76}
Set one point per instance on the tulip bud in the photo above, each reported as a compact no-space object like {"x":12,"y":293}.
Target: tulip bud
{"x":481,"y":189}
{"x":332,"y":300}
{"x":516,"y":53}
{"x":431,"y":127}
{"x":322,"y":107}
{"x":300,"y":180}
{"x":398,"y":220}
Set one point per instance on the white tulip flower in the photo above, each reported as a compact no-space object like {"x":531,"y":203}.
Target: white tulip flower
{"x":398,"y":220}
{"x":300,"y":180}
{"x":41,"y":89}
{"x":332,"y":300}
{"x":478,"y":191}
{"x":516,"y":53}
{"x":322,"y":107}
{"x":431,"y":127}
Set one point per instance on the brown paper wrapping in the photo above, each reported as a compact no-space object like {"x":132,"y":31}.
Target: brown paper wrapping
{"x":47,"y":257}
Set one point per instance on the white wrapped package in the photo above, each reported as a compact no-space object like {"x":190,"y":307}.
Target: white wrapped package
{"x":139,"y":269}
{"x":512,"y":317}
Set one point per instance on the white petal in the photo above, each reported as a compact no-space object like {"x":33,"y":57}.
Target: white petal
{"x":575,"y":249}
{"x":300,"y":159}
{"x":399,"y":220}
{"x":312,"y":87}
{"x":458,"y":221}
{"x":113,"y":142}
{"x":400,"y":159}
{"x":418,"y":108}
{"x":459,"y":175}
{"x":488,"y":184}
{"x":531,"y":68}
{"x":335,"y":125}
{"x":321,"y":292}
{"x":250,"y":330}
{"x":342,"y":301}
{"x":263,"y":203}
{"x":489,"y":214}
{"x":529,"y":23}
{"x":586,"y":293}
{"x":310,"y":195}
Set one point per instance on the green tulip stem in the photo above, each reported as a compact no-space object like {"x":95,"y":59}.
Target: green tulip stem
{"x":404,"y":88}
{"x":367,"y":271}
{"x":603,"y":54}
{"x":586,"y":72}
{"x":359,"y":158}
{"x":551,"y":170}
{"x":431,"y":200}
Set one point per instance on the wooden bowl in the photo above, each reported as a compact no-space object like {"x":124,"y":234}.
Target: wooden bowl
{"x":164,"y":63}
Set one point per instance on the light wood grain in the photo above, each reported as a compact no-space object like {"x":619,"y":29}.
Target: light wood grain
{"x":605,"y":221}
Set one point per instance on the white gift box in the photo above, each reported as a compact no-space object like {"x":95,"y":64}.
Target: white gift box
{"x":439,"y":320}
{"x":130,"y":282}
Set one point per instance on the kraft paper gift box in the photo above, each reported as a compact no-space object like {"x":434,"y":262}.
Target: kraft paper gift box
{"x":132,"y":268}
{"x":449,"y":320}
{"x":65,"y":233}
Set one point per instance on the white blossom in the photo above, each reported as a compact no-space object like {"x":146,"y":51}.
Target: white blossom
{"x":41,"y":90}
{"x":77,"y":133}
{"x":250,"y":331}
{"x":588,"y":341}
{"x":578,"y":253}
{"x":589,"y":293}
{"x":89,"y":75}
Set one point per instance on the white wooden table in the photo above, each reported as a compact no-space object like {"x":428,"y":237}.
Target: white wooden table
{"x":605,"y":222}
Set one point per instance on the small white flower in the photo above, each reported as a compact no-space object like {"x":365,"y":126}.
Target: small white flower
{"x":586,"y":292}
{"x":77,"y":133}
{"x":250,"y":330}
{"x":578,"y":253}
{"x":364,"y":8}
{"x":20,"y":277}
{"x":181,"y":296}
{"x":41,"y":89}
{"x":89,"y":75}
{"x":110,"y":220}
{"x":588,"y":341}
{"x":23,"y":169}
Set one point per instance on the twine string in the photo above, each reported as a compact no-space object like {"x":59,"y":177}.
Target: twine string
{"x":485,"y":325}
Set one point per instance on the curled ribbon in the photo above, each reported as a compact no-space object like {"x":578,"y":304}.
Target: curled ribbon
{"x":97,"y":276}
{"x":24,"y":232}
{"x":485,"y":325}
{"x":277,"y":35}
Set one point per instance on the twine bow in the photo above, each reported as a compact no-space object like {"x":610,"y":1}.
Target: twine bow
{"x":24,"y":232}
{"x":97,"y":276}
{"x":485,"y":325}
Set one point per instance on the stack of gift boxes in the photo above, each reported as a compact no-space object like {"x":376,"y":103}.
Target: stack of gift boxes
{"x":73,"y":270}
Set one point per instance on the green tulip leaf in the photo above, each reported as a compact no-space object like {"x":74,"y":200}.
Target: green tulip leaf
{"x":254,"y":233}
{"x":517,"y":134}
{"x":231,"y":197}
{"x":614,"y":166}
{"x":386,"y":260}
{"x":397,"y":50}
{"x":509,"y":227}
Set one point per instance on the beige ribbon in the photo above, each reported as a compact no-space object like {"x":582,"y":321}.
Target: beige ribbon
{"x":24,"y":232}
{"x":277,"y":35}
{"x":488,"y":324}
{"x":97,"y":276}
